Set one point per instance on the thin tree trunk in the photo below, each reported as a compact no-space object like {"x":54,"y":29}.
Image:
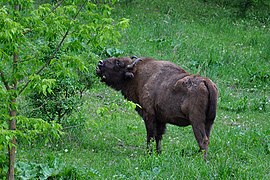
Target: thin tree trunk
{"x":12,"y":146}
{"x":12,"y":121}
{"x":13,"y":112}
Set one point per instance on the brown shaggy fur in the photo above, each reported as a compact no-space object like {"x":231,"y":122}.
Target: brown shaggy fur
{"x":165,"y":93}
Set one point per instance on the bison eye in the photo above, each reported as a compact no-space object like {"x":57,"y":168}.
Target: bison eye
{"x":119,"y":64}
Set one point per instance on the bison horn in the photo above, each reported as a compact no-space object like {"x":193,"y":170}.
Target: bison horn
{"x":133,"y":57}
{"x":130,"y":66}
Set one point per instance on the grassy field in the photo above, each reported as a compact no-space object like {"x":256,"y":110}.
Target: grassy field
{"x":107,"y":140}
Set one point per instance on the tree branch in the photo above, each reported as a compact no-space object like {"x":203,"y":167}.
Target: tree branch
{"x":69,"y":127}
{"x":55,"y":51}
{"x":28,"y":59}
{"x":57,"y":5}
{"x":15,"y":68}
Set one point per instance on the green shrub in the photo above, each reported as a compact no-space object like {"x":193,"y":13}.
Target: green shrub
{"x":54,"y":169}
{"x":243,"y":6}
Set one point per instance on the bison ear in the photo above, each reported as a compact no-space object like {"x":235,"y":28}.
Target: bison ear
{"x":129,"y":75}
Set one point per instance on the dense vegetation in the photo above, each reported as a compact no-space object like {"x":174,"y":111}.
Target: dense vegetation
{"x":104,"y":138}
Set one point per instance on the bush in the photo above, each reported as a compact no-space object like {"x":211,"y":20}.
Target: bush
{"x":62,"y":101}
{"x":52,"y":170}
{"x":261,"y":6}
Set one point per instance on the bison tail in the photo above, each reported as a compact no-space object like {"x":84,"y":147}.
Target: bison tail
{"x":212,"y":103}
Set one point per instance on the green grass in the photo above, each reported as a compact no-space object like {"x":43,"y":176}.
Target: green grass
{"x":107,"y":138}
{"x":111,"y":145}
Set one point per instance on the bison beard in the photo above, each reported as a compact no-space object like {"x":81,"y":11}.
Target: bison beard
{"x":165,"y":94}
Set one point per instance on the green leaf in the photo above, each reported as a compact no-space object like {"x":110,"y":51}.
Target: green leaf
{"x":44,"y":89}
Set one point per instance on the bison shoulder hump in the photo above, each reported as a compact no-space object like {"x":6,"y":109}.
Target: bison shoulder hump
{"x":181,"y":84}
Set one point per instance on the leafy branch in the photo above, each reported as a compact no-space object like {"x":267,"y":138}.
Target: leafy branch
{"x":56,"y":50}
{"x":57,"y":5}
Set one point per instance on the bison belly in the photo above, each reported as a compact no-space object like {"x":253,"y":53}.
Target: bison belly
{"x":170,"y":110}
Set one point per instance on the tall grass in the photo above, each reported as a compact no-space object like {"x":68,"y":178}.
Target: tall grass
{"x":107,"y":140}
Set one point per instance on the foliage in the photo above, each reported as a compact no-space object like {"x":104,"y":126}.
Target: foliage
{"x":75,"y":72}
{"x":65,"y":96}
{"x":48,"y":52}
{"x":51,"y":170}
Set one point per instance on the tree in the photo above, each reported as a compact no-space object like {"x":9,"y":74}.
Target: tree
{"x":40,"y":43}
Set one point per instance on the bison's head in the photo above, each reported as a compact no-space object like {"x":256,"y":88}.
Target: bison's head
{"x":115,"y":71}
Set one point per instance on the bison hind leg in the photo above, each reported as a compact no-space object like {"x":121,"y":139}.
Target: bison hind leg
{"x":204,"y":149}
{"x":208,"y":127}
{"x":201,"y":136}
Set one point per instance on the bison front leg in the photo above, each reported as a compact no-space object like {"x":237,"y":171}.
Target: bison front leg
{"x":149,"y":121}
{"x":160,"y":129}
{"x":150,"y":136}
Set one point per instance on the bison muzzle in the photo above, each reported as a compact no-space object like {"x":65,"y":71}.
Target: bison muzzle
{"x":164,"y":93}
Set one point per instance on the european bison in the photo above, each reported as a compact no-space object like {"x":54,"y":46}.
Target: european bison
{"x":165,"y":93}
